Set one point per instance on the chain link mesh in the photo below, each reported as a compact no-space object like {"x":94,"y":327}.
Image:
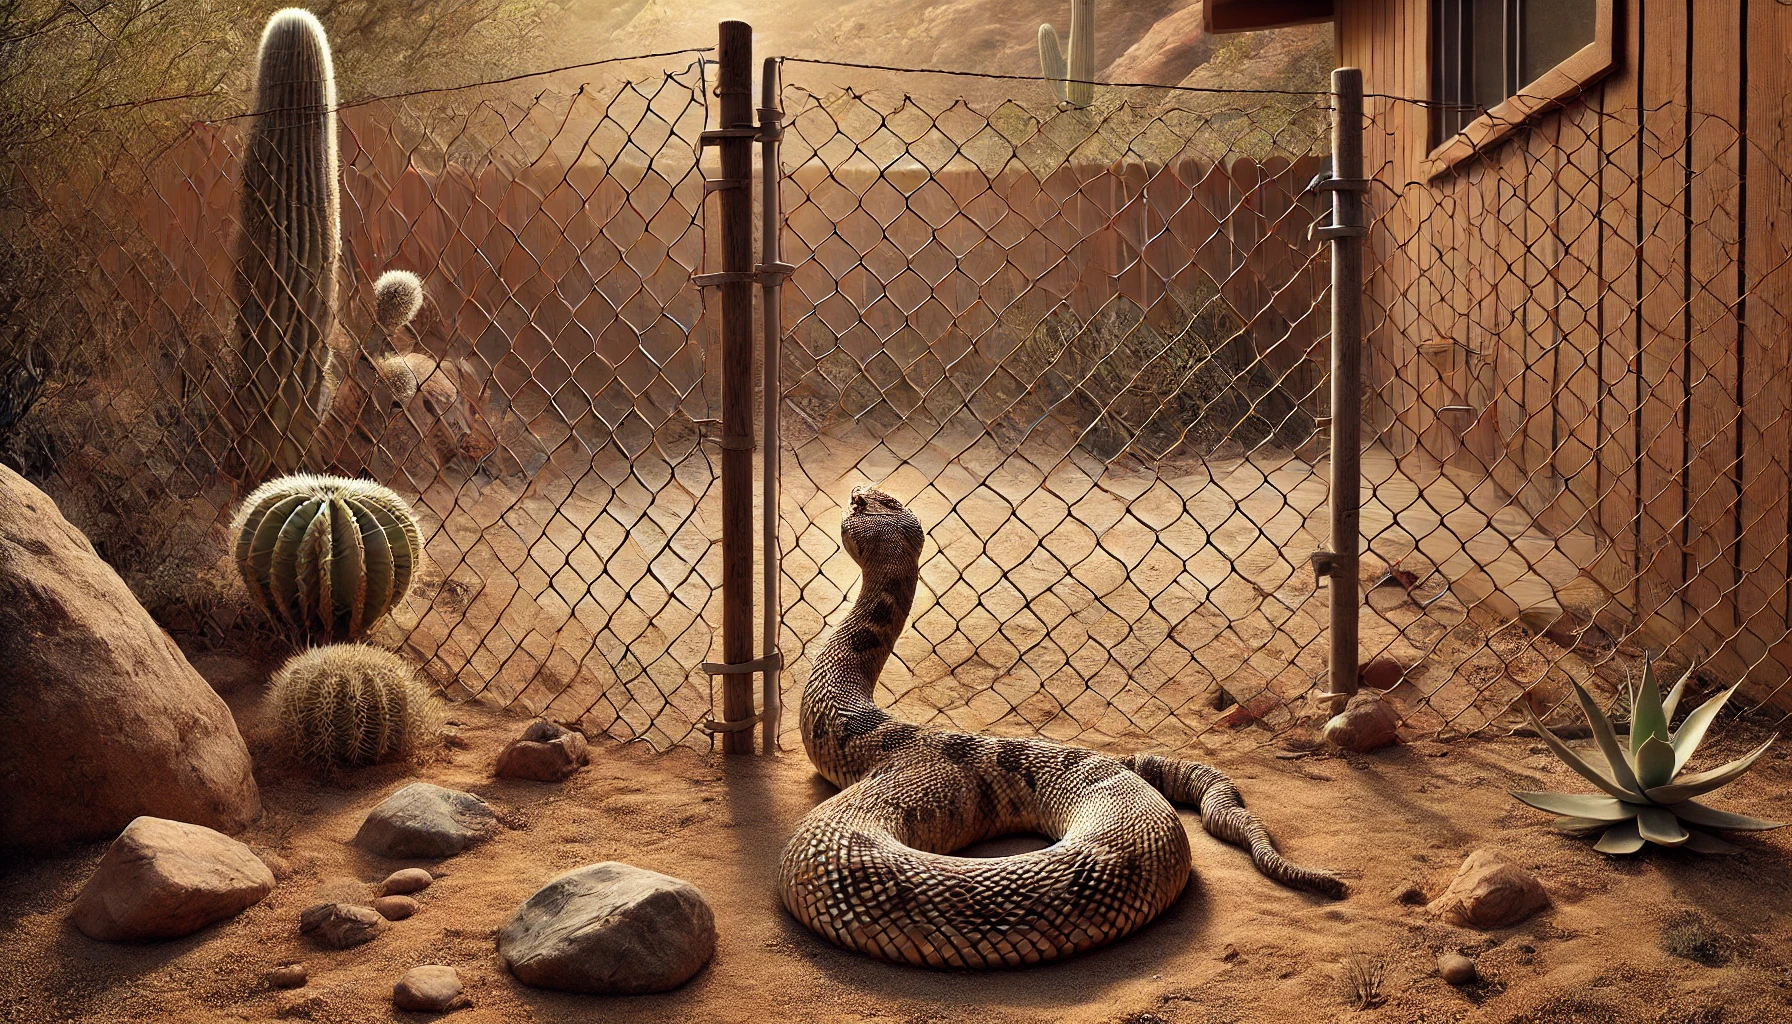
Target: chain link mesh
{"x":1088,"y":346}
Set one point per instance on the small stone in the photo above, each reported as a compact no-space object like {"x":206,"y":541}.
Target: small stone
{"x":1457,"y":969}
{"x":1252,"y":710}
{"x":1490,"y":892}
{"x":288,"y":976}
{"x":340,"y":925}
{"x":405,"y":881}
{"x":431,"y":988}
{"x":610,"y":928}
{"x":1412,"y":896}
{"x":1525,"y":947}
{"x":1381,"y":674}
{"x":395,"y":908}
{"x":162,"y":879}
{"x":1229,"y":952}
{"x":1368,"y":722}
{"x":546,"y":752}
{"x":422,"y":820}
{"x":280,"y":866}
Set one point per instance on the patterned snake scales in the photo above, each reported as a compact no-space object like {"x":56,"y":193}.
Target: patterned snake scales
{"x":870,"y":869}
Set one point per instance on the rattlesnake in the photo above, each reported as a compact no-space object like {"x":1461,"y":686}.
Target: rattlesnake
{"x":870,"y":868}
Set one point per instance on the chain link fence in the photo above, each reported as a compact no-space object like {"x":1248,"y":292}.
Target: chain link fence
{"x":1088,"y":346}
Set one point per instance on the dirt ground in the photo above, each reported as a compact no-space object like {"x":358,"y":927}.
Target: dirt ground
{"x":1234,"y":949}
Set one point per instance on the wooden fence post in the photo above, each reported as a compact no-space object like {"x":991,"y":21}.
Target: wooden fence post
{"x":1345,"y":232}
{"x":771,"y":280}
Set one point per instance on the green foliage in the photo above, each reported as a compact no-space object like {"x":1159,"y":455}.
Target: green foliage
{"x":1073,"y":81}
{"x":1649,"y":794}
{"x":326,"y":556}
{"x":348,"y":705}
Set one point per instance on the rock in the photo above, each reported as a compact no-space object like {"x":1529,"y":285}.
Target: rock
{"x":163,"y":879}
{"x":422,"y":820}
{"x":1381,"y":674}
{"x":280,"y":866}
{"x":1368,"y":722}
{"x":395,"y":908}
{"x":610,"y":928}
{"x":105,"y":720}
{"x":431,"y":988}
{"x":1490,"y":892}
{"x":1252,"y":710}
{"x":1457,"y":969}
{"x":288,"y":976}
{"x":1410,"y":895}
{"x":405,"y":881}
{"x":546,"y":752}
{"x":340,"y":925}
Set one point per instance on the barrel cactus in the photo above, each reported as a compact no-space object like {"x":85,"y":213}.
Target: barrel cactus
{"x":1649,"y":795}
{"x":291,"y":237}
{"x":326,"y":556}
{"x":347,"y":705}
{"x":1072,"y":81}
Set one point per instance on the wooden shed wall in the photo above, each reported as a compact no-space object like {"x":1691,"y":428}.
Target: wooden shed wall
{"x":1606,"y":291}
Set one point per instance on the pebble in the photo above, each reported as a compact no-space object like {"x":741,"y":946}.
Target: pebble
{"x":288,"y":976}
{"x":395,"y":908}
{"x":431,"y":988}
{"x":1412,"y":896}
{"x":340,"y":925}
{"x":1457,"y":969}
{"x":405,"y":881}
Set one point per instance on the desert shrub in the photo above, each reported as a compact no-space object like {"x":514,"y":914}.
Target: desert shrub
{"x":348,"y":705}
{"x":1182,"y":377}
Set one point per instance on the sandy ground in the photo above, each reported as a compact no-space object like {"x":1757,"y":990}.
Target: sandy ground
{"x":1234,"y":949}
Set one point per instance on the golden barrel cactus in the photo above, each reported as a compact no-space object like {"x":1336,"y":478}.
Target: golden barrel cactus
{"x":347,"y":705}
{"x":326,"y":556}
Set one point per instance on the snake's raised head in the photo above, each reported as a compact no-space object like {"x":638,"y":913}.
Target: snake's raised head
{"x":880,"y":531}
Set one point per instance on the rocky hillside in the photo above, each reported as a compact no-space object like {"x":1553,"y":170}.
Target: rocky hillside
{"x":1158,"y":42}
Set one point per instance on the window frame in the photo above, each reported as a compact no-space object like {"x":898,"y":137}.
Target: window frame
{"x":1552,"y":89}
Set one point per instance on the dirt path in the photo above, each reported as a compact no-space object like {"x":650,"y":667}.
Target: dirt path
{"x":1234,"y":949}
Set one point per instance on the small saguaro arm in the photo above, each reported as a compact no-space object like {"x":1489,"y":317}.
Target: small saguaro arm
{"x":291,"y":237}
{"x":1074,"y":86}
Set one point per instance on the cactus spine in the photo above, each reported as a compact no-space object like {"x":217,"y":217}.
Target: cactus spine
{"x":1073,"y":84}
{"x":347,"y":705}
{"x":291,"y":237}
{"x":326,"y":556}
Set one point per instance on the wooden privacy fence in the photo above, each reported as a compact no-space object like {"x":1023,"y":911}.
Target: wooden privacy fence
{"x":1582,"y":334}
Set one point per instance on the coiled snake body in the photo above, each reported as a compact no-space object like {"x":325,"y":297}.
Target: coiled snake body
{"x":871,"y":868}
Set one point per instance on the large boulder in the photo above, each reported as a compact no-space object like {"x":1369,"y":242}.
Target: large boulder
{"x":105,"y":720}
{"x":423,"y":820}
{"x":162,"y":879}
{"x":610,"y":928}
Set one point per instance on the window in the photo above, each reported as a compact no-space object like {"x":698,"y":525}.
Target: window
{"x":1495,"y":63}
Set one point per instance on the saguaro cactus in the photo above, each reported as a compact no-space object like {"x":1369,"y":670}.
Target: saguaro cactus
{"x":325,"y":555}
{"x":1074,"y":86}
{"x":291,"y":237}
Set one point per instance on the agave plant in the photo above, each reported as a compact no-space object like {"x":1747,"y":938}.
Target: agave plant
{"x":1649,"y":796}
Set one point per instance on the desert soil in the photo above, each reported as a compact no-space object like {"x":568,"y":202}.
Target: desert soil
{"x":1235,"y":948}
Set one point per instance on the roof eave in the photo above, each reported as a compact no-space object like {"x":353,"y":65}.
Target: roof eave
{"x":1249,"y":15}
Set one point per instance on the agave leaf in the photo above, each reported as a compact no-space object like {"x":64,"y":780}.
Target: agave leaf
{"x":1620,"y":838}
{"x":1672,"y":704}
{"x":1657,"y":825}
{"x":1607,"y":739}
{"x":1711,"y":817}
{"x":1580,"y":805}
{"x":1586,"y":771}
{"x":1579,"y":826}
{"x":1699,"y":842}
{"x":1655,"y":763}
{"x":1647,"y":719}
{"x":1686,"y":787}
{"x":1692,"y":731}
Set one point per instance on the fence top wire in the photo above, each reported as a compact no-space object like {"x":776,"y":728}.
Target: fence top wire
{"x":990,"y":75}
{"x":365,"y":100}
